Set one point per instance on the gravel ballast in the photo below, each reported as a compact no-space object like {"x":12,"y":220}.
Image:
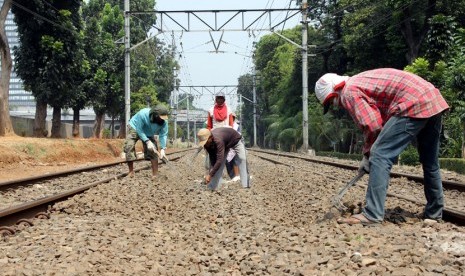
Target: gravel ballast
{"x":284,"y":224}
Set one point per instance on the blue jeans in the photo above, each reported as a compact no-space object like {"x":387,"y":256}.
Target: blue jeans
{"x":241,"y":161}
{"x":395,"y":136}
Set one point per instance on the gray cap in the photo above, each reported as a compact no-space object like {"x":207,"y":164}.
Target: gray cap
{"x":220,"y":94}
{"x":160,"y":110}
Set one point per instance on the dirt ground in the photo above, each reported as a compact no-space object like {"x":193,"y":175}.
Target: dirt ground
{"x":25,"y":156}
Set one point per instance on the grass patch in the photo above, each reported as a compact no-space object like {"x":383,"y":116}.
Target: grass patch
{"x":32,"y":150}
{"x":358,"y":238}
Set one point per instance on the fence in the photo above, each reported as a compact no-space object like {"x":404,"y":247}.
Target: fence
{"x":25,"y":126}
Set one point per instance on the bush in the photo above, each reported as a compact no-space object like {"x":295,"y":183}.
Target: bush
{"x":453,"y":164}
{"x":409,"y":156}
{"x":106,"y":133}
{"x":340,"y":155}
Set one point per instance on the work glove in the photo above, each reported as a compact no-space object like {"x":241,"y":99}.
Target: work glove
{"x":364,"y":165}
{"x":162,"y":154}
{"x":151,"y":146}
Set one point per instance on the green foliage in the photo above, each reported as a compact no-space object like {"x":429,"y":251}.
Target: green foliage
{"x":32,"y":150}
{"x":185,"y":98}
{"x":245,"y":90}
{"x":145,"y":97}
{"x":451,"y":146}
{"x":180,"y":132}
{"x":440,"y":36}
{"x":151,"y":64}
{"x":340,"y":155}
{"x":420,"y":67}
{"x":287,"y":139}
{"x":453,"y":164}
{"x":409,"y":156}
{"x":106,"y":133}
{"x":48,"y":59}
{"x":455,"y":94}
{"x":279,"y":71}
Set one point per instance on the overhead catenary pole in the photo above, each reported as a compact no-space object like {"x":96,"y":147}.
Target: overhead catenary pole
{"x":175,"y":109}
{"x":240,"y":107}
{"x":240,"y":110}
{"x":195,"y":130}
{"x":186,"y":27}
{"x":188,"y":123}
{"x":304,"y":77}
{"x":175,"y":95}
{"x":127,"y":67}
{"x":254,"y":109}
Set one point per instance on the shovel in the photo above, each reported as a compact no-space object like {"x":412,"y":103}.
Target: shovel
{"x":337,"y":200}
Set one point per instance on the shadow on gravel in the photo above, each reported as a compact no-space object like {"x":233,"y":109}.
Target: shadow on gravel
{"x":395,"y":215}
{"x":398,"y":215}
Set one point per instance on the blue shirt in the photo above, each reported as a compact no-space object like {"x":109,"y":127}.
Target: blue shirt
{"x":144,"y":128}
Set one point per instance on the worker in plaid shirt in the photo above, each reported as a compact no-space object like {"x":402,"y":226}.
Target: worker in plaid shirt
{"x":392,"y":108}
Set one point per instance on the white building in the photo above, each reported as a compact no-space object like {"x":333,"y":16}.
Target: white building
{"x":19,"y":99}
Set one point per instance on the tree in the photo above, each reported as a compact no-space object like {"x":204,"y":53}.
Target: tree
{"x":244,"y":90}
{"x":27,"y":55}
{"x":440,"y":37}
{"x":5,"y":121}
{"x":64,"y":60}
{"x":47,"y":59}
{"x":104,"y":85}
{"x":329,"y":15}
{"x":151,"y":65}
{"x":455,"y":84}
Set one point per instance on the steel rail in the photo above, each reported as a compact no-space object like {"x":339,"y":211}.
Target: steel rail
{"x":448,"y":184}
{"x":28,"y":180}
{"x":22,"y":213}
{"x":10,"y":216}
{"x":449,"y":214}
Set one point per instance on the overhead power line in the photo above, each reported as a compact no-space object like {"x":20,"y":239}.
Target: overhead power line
{"x":58,"y":25}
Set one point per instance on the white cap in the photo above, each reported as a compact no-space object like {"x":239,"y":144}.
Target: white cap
{"x":326,"y":85}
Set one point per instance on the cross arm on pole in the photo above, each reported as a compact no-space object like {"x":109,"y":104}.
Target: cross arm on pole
{"x":287,"y":39}
{"x":246,"y":98}
{"x":231,"y":14}
{"x":142,"y":42}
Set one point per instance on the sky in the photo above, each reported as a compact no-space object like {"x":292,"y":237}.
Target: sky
{"x":200,"y":65}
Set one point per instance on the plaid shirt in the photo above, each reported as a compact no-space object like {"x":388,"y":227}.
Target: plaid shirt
{"x":374,"y":96}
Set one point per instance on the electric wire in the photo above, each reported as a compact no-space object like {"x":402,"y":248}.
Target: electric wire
{"x":60,"y":26}
{"x":377,"y":23}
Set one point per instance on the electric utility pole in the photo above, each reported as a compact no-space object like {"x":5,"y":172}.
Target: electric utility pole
{"x":304,"y":77}
{"x":188,"y":122}
{"x":175,"y":94}
{"x":254,"y":109}
{"x":127,"y":67}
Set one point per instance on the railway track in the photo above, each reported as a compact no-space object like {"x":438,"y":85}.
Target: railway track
{"x":278,"y":227}
{"x":454,"y":190}
{"x":21,"y":212}
{"x":448,"y":184}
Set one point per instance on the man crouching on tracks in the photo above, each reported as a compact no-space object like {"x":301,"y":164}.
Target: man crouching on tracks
{"x":144,"y":125}
{"x":217,"y":143}
{"x":392,"y":108}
